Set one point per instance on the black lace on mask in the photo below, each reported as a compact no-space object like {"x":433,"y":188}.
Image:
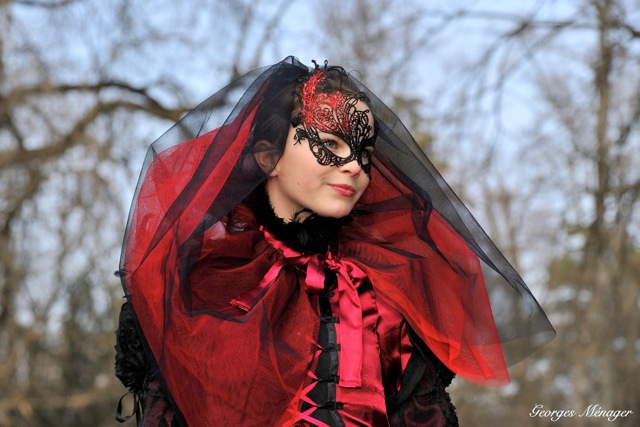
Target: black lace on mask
{"x":336,"y":114}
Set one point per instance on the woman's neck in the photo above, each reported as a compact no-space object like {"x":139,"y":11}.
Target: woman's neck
{"x":306,"y":232}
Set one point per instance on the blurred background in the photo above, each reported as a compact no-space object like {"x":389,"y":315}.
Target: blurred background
{"x":530,"y":109}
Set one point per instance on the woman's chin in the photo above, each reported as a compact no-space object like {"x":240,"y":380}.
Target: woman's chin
{"x":335,"y":213}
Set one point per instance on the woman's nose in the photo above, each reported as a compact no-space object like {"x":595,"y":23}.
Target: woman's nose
{"x":352,"y":168}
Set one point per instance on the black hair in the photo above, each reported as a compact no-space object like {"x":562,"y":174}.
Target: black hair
{"x":281,"y":103}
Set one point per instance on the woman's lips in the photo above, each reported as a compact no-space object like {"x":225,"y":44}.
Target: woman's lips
{"x":343,"y":189}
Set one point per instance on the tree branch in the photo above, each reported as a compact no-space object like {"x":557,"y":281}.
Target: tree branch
{"x":56,"y":149}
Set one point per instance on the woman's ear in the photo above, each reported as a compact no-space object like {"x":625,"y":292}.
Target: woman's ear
{"x":264,"y":153}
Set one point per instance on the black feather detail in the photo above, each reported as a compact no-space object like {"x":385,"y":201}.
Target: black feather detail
{"x":313,"y":234}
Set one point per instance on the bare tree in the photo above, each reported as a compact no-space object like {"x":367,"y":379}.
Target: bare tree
{"x":576,"y":68}
{"x":532,"y":112}
{"x":84,"y":87}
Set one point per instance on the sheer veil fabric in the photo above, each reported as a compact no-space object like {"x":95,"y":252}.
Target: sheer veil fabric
{"x":192,"y":246}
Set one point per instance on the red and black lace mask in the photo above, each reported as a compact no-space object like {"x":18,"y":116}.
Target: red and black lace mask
{"x":337,"y":124}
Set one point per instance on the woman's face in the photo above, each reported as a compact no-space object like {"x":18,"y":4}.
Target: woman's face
{"x":300,"y":181}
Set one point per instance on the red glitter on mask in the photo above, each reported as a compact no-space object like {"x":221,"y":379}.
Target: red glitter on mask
{"x":326,"y":112}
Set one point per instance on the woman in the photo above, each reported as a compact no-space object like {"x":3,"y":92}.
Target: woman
{"x":305,"y":264}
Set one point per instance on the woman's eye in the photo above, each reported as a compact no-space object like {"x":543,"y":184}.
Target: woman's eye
{"x":330,"y":143}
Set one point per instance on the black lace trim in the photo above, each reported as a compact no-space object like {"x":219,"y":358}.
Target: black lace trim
{"x":424,"y":380}
{"x":131,"y":365}
{"x":150,"y":403}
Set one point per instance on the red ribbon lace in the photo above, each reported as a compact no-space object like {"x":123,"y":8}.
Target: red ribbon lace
{"x":349,"y":277}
